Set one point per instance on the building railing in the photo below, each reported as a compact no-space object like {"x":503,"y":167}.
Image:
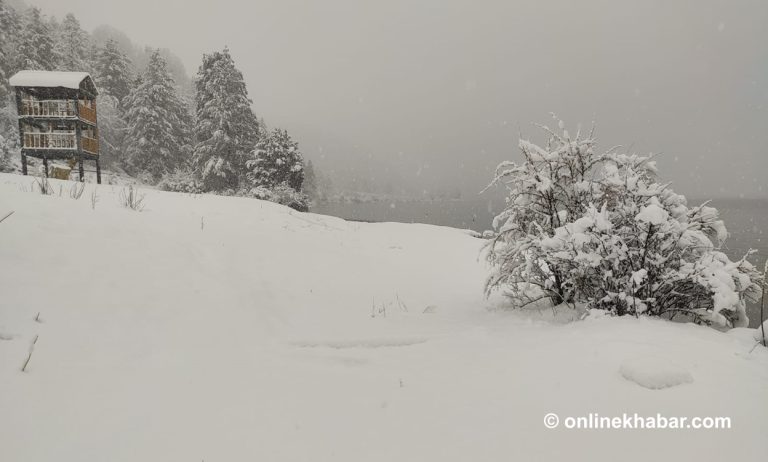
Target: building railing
{"x":87,"y":113}
{"x":50,"y":141}
{"x":90,"y":145}
{"x":48,"y":108}
{"x":57,"y":108}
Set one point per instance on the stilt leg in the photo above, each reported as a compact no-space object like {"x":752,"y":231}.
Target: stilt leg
{"x":45,"y":166}
{"x":82,"y":171}
{"x":23,"y":164}
{"x":98,"y":172}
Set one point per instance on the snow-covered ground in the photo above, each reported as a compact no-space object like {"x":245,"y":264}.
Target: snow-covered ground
{"x":230,"y":329}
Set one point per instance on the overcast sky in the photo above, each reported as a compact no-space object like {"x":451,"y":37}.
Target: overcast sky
{"x":431,"y":94}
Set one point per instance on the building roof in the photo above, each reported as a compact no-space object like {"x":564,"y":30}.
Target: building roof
{"x":48,"y":79}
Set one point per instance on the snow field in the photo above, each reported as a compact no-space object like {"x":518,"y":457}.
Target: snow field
{"x":214,"y":328}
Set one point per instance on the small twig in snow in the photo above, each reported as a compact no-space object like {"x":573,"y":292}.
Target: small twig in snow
{"x":29,"y":356}
{"x":7,"y":215}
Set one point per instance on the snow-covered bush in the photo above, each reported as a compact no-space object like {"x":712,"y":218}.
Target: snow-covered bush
{"x":282,"y":194}
{"x":276,"y":170}
{"x":181,"y":180}
{"x":276,"y":160}
{"x":583,"y":227}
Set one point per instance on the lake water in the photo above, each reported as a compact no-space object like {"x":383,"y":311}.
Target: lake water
{"x":746,"y":220}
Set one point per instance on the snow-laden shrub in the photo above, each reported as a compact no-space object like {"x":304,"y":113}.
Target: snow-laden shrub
{"x":181,"y":180}
{"x":276,"y":160}
{"x":583,"y":227}
{"x":282,"y":194}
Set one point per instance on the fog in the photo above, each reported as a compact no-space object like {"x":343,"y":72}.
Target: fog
{"x":428,"y":96}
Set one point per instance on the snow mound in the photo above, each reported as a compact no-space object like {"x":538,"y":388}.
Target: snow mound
{"x":745,"y":334}
{"x":654,"y":373}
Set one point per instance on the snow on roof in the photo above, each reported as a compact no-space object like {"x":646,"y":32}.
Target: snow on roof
{"x":48,"y":79}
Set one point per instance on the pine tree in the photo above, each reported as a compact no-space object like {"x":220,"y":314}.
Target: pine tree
{"x":36,"y":45}
{"x":277,"y":161}
{"x":72,"y":46}
{"x":158,"y":123}
{"x":226,"y":128}
{"x":9,"y":29}
{"x":113,"y":71}
{"x":114,"y":79}
{"x":9,"y":32}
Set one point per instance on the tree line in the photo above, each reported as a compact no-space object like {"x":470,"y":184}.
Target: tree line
{"x":148,"y":126}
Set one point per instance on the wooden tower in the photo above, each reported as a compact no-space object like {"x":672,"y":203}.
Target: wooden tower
{"x":57,"y":118}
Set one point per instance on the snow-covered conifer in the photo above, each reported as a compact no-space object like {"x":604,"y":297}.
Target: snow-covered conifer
{"x":72,"y":46}
{"x":158,"y":123}
{"x":35,"y":43}
{"x":9,"y":30}
{"x":112,"y":70}
{"x":226,"y":128}
{"x":582,"y":227}
{"x":114,"y":79}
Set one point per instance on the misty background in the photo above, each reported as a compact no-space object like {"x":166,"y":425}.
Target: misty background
{"x":418,"y":98}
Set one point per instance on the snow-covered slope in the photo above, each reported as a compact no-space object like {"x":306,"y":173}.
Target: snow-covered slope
{"x":230,"y":329}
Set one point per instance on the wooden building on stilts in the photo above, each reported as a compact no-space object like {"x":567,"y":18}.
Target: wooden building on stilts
{"x":57,"y":118}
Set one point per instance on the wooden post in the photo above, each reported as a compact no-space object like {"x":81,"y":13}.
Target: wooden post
{"x":45,"y":165}
{"x":82,"y":171}
{"x":98,"y":172}
{"x":23,"y":163}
